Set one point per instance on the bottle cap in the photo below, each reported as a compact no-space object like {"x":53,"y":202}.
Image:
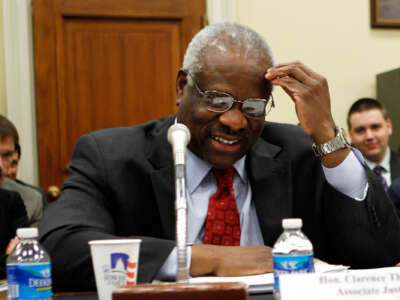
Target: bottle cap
{"x":26,"y":233}
{"x":292,"y":223}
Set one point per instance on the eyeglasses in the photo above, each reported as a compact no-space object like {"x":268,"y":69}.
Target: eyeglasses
{"x":220,"y":102}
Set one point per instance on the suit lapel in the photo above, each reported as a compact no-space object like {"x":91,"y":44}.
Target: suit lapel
{"x":394,"y":165}
{"x":162,"y":177}
{"x":270,"y":178}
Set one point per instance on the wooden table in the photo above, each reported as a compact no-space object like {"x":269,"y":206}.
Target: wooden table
{"x":93,"y":296}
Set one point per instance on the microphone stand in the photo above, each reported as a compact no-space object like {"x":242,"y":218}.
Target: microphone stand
{"x":182,"y":275}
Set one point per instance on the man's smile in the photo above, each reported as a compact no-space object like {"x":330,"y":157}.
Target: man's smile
{"x":224,"y":140}
{"x":224,"y":144}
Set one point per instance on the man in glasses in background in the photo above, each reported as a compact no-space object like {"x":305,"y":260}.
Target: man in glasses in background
{"x":9,"y":140}
{"x":13,"y":171}
{"x":243,"y":175}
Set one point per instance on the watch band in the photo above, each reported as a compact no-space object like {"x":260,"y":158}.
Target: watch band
{"x":338,"y":142}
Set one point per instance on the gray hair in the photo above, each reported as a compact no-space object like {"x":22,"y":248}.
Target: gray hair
{"x":219,"y":35}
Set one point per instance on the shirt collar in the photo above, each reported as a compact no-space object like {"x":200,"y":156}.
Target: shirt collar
{"x":197,"y":169}
{"x":385,"y":163}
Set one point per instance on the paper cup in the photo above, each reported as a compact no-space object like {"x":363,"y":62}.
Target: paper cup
{"x":115,"y":264}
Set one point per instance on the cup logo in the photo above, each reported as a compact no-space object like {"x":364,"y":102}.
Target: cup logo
{"x":120,"y":271}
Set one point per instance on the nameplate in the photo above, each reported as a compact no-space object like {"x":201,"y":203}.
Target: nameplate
{"x":383,"y":283}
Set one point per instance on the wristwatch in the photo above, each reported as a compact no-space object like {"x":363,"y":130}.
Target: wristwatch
{"x":338,"y":142}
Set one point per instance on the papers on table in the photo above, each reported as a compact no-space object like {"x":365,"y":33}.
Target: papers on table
{"x":257,"y":283}
{"x":264,"y":283}
{"x":3,"y":285}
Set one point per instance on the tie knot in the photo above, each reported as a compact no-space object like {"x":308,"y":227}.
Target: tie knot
{"x":224,"y":177}
{"x":378,"y":170}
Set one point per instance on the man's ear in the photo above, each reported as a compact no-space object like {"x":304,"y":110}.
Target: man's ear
{"x":389,"y":125}
{"x":181,"y":82}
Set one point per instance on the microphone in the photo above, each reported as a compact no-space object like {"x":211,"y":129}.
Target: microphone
{"x":178,"y":137}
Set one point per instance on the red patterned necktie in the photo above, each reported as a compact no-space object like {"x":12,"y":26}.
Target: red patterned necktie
{"x":223,"y":222}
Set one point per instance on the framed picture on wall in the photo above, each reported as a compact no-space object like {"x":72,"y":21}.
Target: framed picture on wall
{"x":385,"y":13}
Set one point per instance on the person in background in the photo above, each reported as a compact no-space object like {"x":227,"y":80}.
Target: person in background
{"x":13,"y":170}
{"x":370,"y":129}
{"x":243,"y":175}
{"x":394,"y":194}
{"x":12,"y":216}
{"x":9,"y":138}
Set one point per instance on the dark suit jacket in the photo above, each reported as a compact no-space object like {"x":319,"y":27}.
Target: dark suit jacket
{"x":12,"y":216}
{"x":394,"y":189}
{"x":121,"y":183}
{"x":394,"y":164}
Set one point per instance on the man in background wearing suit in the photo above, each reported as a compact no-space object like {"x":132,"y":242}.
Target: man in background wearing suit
{"x":13,"y":171}
{"x":9,"y":138}
{"x":12,"y":212}
{"x":121,"y":181}
{"x":370,"y":129}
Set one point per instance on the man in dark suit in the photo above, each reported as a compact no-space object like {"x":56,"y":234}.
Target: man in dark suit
{"x":12,"y":216}
{"x":121,"y":181}
{"x":370,"y":129}
{"x":9,"y":138}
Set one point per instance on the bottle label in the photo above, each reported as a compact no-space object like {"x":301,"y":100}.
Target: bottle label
{"x":29,"y":281}
{"x":287,"y":264}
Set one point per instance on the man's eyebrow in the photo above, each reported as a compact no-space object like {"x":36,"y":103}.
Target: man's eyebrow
{"x":9,"y":152}
{"x":359,"y":128}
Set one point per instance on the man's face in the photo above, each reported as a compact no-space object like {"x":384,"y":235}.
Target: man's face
{"x":222,"y":138}
{"x":7,"y":148}
{"x":370,"y":133}
{"x":13,"y":169}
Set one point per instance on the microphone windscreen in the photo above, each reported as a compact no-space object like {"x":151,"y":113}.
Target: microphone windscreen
{"x":178,"y":135}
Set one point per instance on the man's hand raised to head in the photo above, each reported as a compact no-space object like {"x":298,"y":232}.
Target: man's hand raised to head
{"x":310,"y":93}
{"x":230,"y":260}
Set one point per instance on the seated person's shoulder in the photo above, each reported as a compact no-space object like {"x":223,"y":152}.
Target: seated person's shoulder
{"x":36,"y":188}
{"x":394,"y":190}
{"x":6,"y":195}
{"x":20,"y":186}
{"x":10,"y":199}
{"x":149,"y":128}
{"x":395,"y":154}
{"x":26,"y":192}
{"x":290,"y":137}
{"x":119,"y":139}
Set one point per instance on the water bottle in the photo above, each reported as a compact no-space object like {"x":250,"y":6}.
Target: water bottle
{"x":292,"y":252}
{"x":28,"y":268}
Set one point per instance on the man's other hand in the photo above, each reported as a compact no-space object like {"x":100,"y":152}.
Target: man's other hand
{"x":230,"y":260}
{"x":10,"y":247}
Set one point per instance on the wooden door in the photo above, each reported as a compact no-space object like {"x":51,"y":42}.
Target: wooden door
{"x":101,"y":64}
